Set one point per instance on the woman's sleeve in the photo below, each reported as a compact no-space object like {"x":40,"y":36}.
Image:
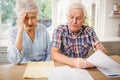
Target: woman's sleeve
{"x":13,"y":55}
{"x":48,"y":56}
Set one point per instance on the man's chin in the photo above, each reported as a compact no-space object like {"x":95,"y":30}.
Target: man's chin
{"x":74,"y":30}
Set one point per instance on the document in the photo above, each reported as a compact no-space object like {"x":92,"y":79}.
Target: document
{"x":67,"y":73}
{"x":105,"y":64}
{"x":110,"y":72}
{"x":35,"y":69}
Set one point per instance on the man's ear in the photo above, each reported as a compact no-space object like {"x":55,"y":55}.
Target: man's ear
{"x":84,"y":19}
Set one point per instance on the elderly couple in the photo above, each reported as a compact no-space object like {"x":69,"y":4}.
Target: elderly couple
{"x":70,"y":43}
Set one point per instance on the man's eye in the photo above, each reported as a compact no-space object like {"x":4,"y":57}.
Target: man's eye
{"x":79,"y":18}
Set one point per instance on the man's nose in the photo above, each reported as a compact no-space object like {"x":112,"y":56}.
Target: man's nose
{"x":74,"y":20}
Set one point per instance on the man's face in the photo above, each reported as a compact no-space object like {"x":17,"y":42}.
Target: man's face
{"x":75,"y":19}
{"x":30,"y":21}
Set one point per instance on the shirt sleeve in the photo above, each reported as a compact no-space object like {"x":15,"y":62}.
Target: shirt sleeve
{"x":94,"y":37}
{"x":48,"y":58}
{"x":14,"y":56}
{"x":56,"y":38}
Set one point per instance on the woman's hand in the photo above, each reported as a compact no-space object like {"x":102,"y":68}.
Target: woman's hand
{"x":20,"y":22}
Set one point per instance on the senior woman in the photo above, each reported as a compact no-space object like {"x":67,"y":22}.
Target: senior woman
{"x":28,"y":41}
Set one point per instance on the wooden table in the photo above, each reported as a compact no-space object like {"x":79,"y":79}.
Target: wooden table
{"x":15,"y":72}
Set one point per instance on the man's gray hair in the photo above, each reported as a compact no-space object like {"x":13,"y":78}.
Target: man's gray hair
{"x":26,"y":6}
{"x":77,"y":5}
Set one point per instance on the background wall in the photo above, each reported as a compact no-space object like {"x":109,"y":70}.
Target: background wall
{"x":110,"y":24}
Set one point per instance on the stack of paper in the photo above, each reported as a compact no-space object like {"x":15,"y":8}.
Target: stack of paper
{"x":35,"y":69}
{"x":67,"y":73}
{"x":105,"y":64}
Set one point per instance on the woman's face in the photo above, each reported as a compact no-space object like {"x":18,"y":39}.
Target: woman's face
{"x":30,"y":21}
{"x":75,"y":19}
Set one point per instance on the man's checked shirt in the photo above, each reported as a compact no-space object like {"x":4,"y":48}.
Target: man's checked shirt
{"x":73,"y":45}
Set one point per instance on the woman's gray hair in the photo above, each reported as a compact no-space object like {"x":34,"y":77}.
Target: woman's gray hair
{"x":77,"y":5}
{"x":26,"y":6}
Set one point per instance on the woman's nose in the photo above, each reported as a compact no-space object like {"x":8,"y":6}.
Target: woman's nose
{"x":29,"y":21}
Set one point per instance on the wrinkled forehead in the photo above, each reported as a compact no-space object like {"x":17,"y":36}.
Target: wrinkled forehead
{"x":31,"y":14}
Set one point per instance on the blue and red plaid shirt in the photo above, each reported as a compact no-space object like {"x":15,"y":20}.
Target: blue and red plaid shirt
{"x":73,"y":45}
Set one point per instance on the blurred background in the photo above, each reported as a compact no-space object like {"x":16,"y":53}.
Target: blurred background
{"x":102,"y":15}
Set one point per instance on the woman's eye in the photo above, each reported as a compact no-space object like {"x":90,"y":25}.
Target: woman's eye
{"x":71,"y":17}
{"x":33,"y":17}
{"x":27,"y":18}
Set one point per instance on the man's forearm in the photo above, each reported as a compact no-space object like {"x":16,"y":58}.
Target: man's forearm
{"x":62,"y":58}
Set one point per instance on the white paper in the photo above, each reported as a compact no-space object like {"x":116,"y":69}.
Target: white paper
{"x":110,"y":72}
{"x":67,"y":73}
{"x":100,"y":59}
{"x":105,"y":64}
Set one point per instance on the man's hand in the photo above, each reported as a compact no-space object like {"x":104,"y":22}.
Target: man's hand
{"x":82,"y":63}
{"x":99,"y":46}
